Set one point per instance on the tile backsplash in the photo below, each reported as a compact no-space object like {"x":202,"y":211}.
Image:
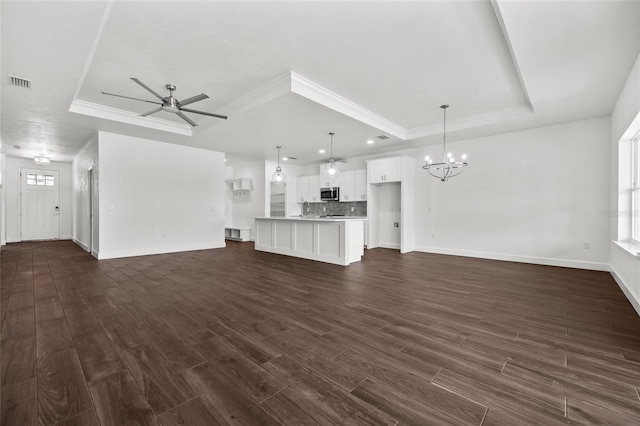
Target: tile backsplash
{"x":337,"y":208}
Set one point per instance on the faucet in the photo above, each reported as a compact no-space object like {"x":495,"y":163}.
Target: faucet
{"x":305,"y":208}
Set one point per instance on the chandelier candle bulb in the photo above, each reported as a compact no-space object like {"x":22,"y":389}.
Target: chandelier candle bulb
{"x":449,"y":167}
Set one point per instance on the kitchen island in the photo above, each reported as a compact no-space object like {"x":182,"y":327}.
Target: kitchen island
{"x":333,"y":240}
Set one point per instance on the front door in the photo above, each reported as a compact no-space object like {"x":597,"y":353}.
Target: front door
{"x":40,"y":204}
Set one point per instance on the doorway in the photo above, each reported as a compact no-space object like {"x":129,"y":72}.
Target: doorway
{"x":388,"y":215}
{"x":39,"y":204}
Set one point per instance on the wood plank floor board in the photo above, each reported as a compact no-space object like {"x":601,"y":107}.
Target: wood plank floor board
{"x":18,"y":323}
{"x":230,"y":402}
{"x":86,"y":418}
{"x":19,"y":404}
{"x":178,"y":354}
{"x":569,"y":381}
{"x":406,"y":409}
{"x":499,"y":393}
{"x":402,"y":339}
{"x":81,"y":320}
{"x":193,"y":412}
{"x":48,"y":308}
{"x":52,"y":336}
{"x":18,"y":360}
{"x":161,"y":388}
{"x":118,"y":401}
{"x":321,"y":396}
{"x":98,"y":356}
{"x":62,"y":389}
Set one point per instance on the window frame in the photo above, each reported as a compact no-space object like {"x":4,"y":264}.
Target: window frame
{"x":635,"y":189}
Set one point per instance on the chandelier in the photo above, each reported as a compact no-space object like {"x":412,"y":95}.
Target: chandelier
{"x":449,"y":167}
{"x":278,"y":175}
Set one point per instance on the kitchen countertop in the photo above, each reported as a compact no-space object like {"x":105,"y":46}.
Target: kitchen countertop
{"x":323,"y":219}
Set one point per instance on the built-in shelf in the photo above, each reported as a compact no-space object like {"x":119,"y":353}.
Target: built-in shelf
{"x":237,"y":234}
{"x":239,"y":184}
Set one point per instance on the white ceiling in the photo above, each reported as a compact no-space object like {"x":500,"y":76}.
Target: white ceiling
{"x":288,"y":73}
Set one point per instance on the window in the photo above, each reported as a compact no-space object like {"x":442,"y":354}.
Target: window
{"x":40,"y":179}
{"x":635,"y":188}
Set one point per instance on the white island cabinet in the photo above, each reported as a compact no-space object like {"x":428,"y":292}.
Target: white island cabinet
{"x":333,"y":240}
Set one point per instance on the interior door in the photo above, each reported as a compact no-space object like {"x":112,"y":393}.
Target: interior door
{"x":389,"y":215}
{"x":40,"y":204}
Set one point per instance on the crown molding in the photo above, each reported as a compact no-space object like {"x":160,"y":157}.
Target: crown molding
{"x":306,"y":88}
{"x":471,"y":121}
{"x":101,"y":111}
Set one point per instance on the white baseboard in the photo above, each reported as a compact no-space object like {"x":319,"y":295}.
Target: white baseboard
{"x":66,"y":237}
{"x":567,"y":263}
{"x":625,"y":289}
{"x":13,"y":240}
{"x":394,"y":246}
{"x":81,"y":244}
{"x":113,"y":254}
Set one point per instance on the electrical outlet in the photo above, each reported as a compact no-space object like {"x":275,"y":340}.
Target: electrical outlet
{"x":587,"y":245}
{"x":324,"y":209}
{"x":353,"y":208}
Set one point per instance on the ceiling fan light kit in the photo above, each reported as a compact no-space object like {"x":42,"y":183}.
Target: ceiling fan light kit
{"x":449,"y":167}
{"x":170,"y":103}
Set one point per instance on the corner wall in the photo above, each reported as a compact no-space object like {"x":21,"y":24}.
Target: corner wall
{"x":625,"y":121}
{"x":157,"y":197}
{"x":86,"y":159}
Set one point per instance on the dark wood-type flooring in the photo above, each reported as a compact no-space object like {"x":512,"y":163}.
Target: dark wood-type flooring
{"x":234,"y":336}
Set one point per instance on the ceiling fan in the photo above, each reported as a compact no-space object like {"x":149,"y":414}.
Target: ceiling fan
{"x":171,"y":104}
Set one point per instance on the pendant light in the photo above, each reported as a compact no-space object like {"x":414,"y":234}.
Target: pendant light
{"x":332,"y":168}
{"x":278,"y":175}
{"x":449,"y":167}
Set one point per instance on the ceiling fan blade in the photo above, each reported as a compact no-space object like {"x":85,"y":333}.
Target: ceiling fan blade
{"x":204,"y":113}
{"x":129,"y":97}
{"x":187,"y":119}
{"x":153,"y":111}
{"x":149,"y":89}
{"x":193,"y":99}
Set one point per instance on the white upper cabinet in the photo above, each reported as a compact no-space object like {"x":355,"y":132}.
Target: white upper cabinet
{"x":302,"y":189}
{"x":361,"y":185}
{"x":353,"y":185}
{"x":308,"y":189}
{"x":385,"y":170}
{"x":314,"y":189}
{"x":348,"y":186}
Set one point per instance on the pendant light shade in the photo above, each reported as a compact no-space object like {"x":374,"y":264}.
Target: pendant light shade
{"x":278,"y":175}
{"x":332,"y":168}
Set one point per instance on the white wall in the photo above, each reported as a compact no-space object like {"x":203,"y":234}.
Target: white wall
{"x":157,"y":197}
{"x":86,"y":159}
{"x":12,"y":188}
{"x":531,"y":196}
{"x":625,"y":121}
{"x":3,"y":200}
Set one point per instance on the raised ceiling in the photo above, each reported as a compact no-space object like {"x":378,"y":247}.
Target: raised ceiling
{"x":288,"y":73}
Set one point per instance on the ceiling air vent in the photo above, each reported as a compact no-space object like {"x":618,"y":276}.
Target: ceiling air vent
{"x":19,"y":82}
{"x":383,"y":137}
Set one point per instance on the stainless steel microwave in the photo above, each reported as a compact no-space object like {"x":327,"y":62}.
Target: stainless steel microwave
{"x":330,"y":194}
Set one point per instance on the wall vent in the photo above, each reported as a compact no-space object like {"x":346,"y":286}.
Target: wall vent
{"x":383,"y":137}
{"x":19,"y":82}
